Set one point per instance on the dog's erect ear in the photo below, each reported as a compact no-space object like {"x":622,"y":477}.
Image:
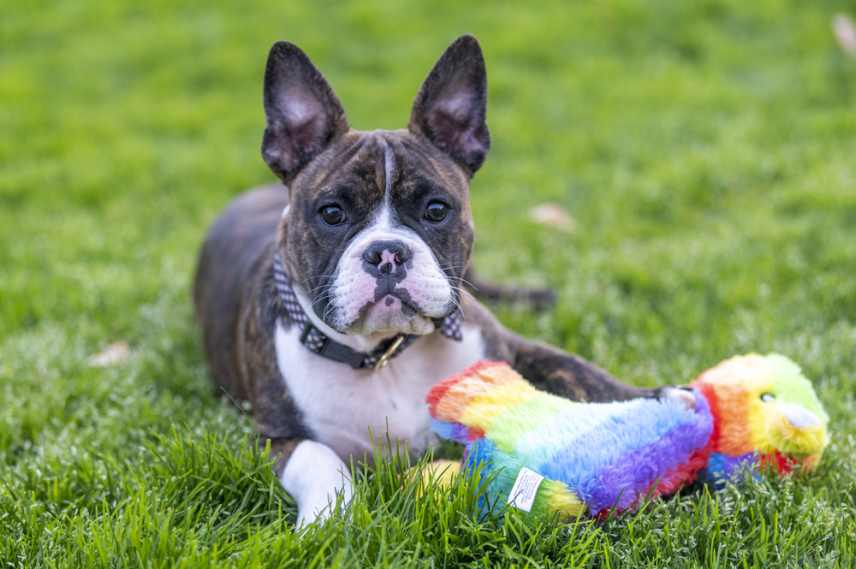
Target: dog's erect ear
{"x":303,"y":113}
{"x":450,"y":107}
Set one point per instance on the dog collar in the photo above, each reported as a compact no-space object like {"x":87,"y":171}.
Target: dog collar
{"x":316,"y":341}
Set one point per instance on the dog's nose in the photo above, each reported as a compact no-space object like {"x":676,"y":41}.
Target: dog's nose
{"x":385,"y":256}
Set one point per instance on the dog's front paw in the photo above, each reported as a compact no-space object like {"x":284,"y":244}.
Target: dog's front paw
{"x":320,"y":506}
{"x":683,"y":395}
{"x":318,"y":480}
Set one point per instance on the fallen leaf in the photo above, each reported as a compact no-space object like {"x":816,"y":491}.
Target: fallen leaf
{"x":845,"y":33}
{"x":114,"y":354}
{"x":552,"y":215}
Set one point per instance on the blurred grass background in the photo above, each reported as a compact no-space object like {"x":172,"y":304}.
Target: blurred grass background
{"x":705,"y":151}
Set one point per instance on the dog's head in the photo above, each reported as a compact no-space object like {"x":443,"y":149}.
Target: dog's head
{"x":378,"y":231}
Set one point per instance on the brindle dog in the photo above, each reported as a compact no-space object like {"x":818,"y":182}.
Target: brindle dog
{"x":373,"y":232}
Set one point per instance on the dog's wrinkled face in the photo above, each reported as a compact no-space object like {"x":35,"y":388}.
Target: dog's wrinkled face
{"x":379,"y":231}
{"x":380,"y":241}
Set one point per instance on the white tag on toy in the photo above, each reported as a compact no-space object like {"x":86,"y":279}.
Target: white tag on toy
{"x":525,"y":488}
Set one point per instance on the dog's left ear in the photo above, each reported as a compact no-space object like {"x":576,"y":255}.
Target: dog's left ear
{"x":303,"y":114}
{"x":450,"y":107}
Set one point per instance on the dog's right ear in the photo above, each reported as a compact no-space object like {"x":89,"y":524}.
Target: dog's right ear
{"x":303,"y":114}
{"x":450,"y":107}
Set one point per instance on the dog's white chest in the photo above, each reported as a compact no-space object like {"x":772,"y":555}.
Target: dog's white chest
{"x":351,"y":410}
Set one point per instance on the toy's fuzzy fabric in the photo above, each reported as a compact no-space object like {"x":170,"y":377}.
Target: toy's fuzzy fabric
{"x":603,"y":456}
{"x":596,"y":458}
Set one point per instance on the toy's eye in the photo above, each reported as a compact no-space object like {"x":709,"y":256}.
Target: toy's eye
{"x":765,"y":397}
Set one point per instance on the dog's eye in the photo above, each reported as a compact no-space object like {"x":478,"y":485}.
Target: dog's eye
{"x":436,"y":211}
{"x":765,"y":397}
{"x":332,"y":214}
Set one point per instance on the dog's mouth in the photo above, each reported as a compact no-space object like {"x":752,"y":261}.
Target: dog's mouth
{"x":390,"y":296}
{"x":389,"y":302}
{"x":392,"y":312}
{"x":387,"y":312}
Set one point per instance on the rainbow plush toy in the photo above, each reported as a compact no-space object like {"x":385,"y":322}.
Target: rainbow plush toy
{"x":547,"y":455}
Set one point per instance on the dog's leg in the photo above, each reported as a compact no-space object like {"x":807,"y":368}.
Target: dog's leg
{"x":558,"y":372}
{"x":313,"y":475}
{"x":547,"y":368}
{"x":311,"y":472}
{"x":570,"y":376}
{"x":537,"y":298}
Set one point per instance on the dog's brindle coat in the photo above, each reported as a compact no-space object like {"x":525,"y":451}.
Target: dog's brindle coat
{"x":316,"y":412}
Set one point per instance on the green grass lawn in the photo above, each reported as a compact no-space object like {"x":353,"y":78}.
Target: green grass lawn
{"x":706,"y":151}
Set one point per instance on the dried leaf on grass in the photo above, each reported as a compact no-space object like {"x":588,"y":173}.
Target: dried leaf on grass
{"x":553,"y":215}
{"x":845,"y":33}
{"x":115,"y":354}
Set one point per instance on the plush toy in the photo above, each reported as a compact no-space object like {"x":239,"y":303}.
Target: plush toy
{"x":547,"y":455}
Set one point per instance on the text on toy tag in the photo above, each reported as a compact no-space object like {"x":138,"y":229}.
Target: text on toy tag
{"x":525,"y":488}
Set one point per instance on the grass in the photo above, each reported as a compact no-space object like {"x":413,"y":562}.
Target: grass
{"x":705,"y":150}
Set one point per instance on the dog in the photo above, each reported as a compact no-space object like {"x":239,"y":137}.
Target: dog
{"x":329,"y":307}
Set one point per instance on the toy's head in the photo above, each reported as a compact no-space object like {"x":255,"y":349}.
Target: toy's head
{"x":765,"y":411}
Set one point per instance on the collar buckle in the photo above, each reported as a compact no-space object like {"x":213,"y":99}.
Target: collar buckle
{"x":384,"y":359}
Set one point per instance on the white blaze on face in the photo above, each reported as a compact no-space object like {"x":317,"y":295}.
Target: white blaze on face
{"x":425,"y":288}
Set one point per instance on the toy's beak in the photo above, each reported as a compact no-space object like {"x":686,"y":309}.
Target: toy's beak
{"x":800,"y":433}
{"x":798,"y":416}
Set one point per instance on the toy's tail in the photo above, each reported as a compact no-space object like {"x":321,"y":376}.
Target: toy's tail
{"x":469,"y":400}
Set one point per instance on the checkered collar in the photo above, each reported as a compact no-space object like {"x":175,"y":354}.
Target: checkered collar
{"x":318,"y":342}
